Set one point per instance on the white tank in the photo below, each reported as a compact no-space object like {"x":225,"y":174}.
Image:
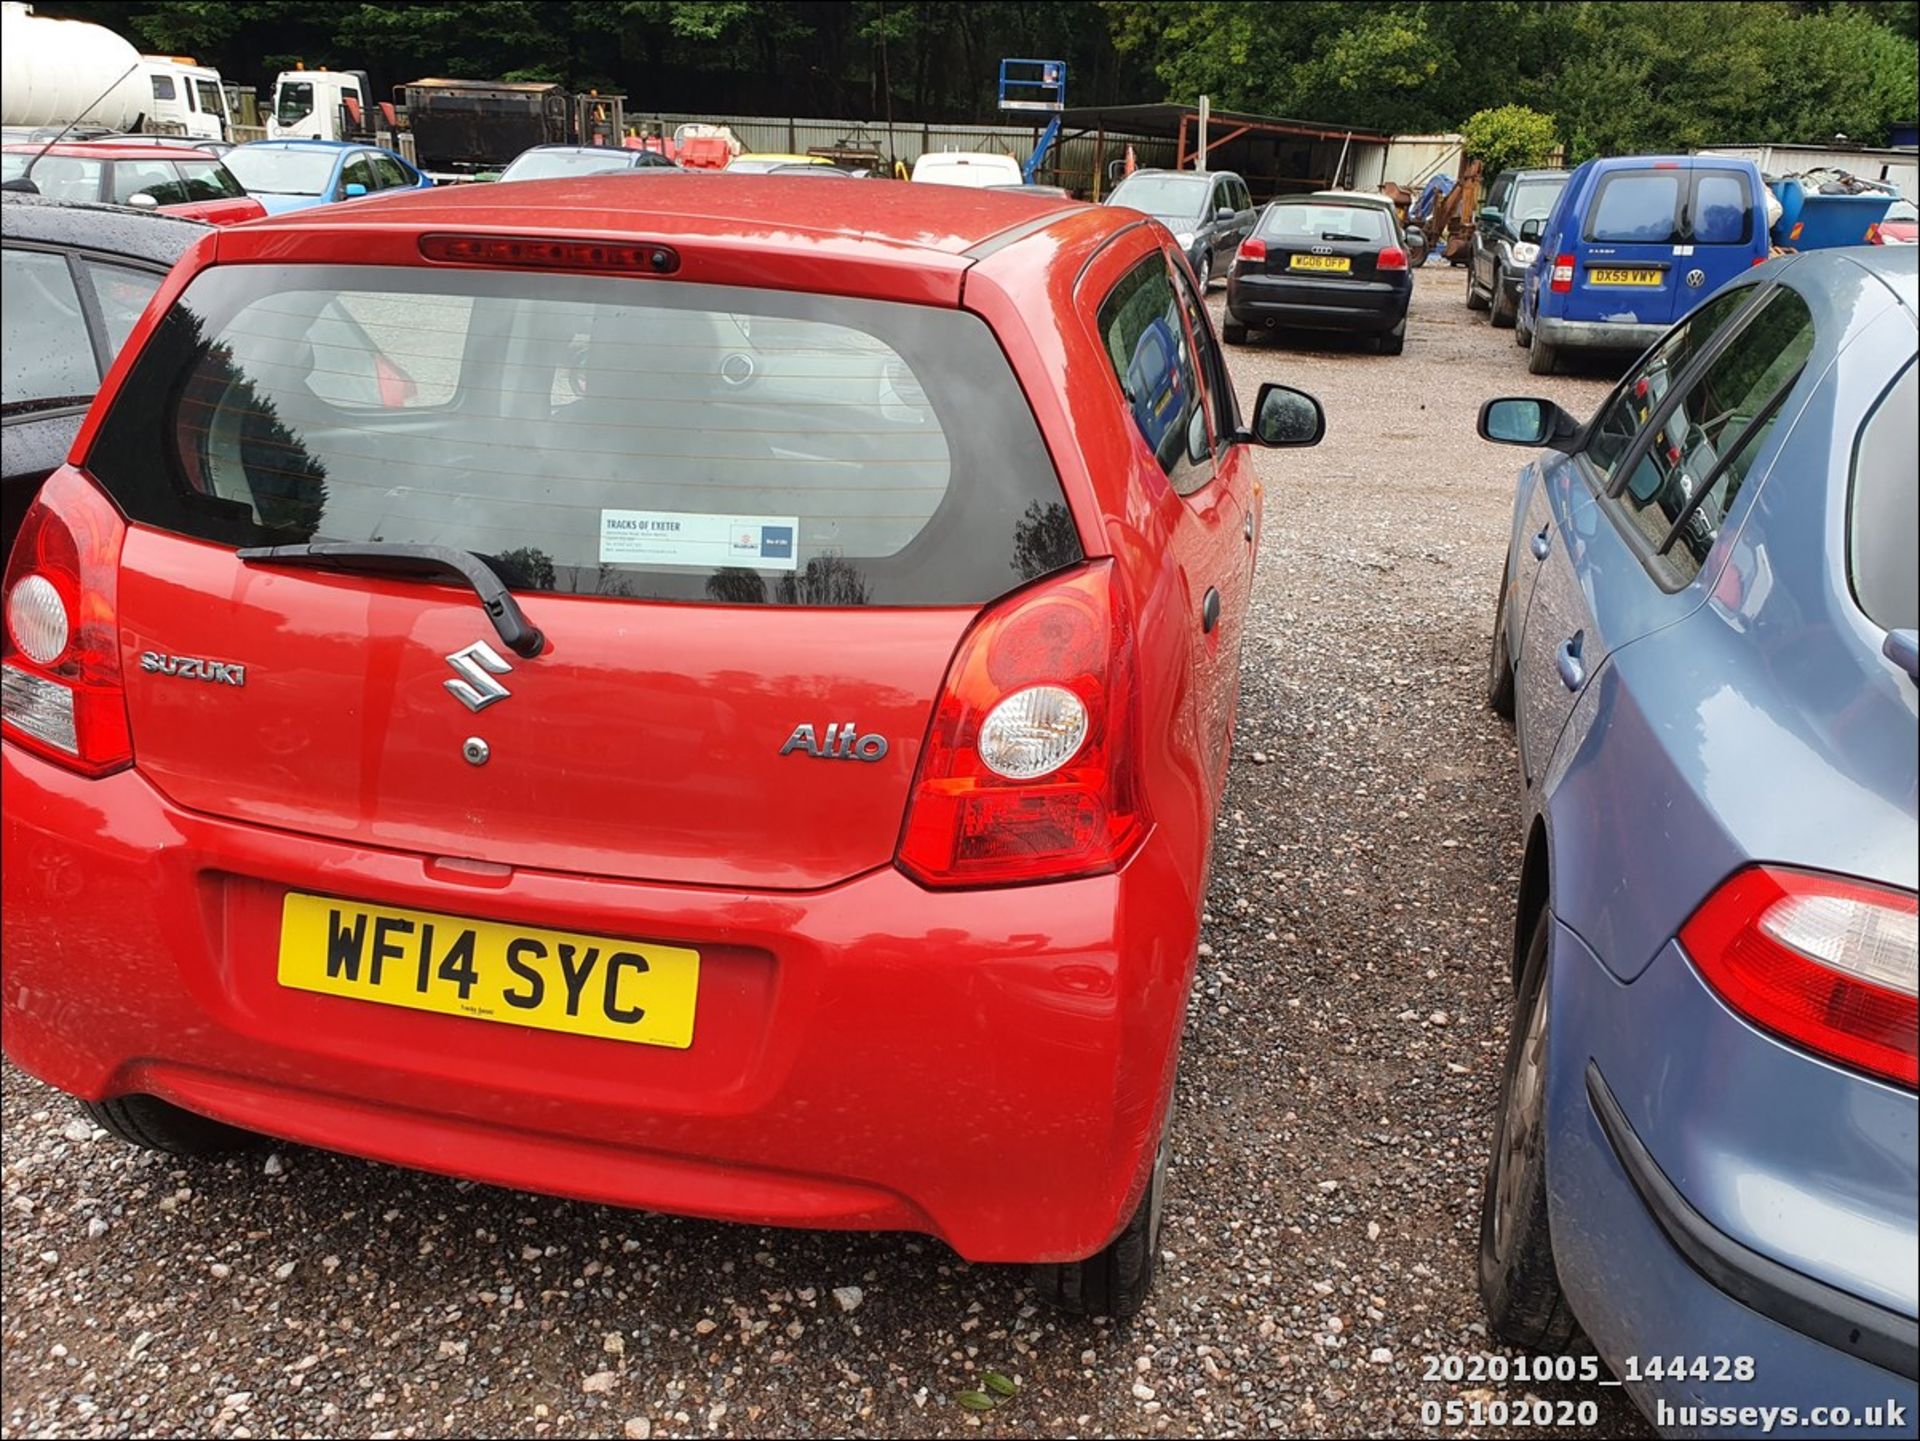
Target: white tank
{"x":51,"y":70}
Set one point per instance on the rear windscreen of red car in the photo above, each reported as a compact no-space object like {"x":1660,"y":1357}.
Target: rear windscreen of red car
{"x":615,"y":437}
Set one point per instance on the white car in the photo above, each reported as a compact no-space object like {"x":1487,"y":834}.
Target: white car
{"x":975,"y":169}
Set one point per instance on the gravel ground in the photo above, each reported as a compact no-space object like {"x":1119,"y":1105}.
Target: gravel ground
{"x":1341,"y":1066}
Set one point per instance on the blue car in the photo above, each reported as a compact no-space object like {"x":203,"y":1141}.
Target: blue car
{"x":1633,"y":244}
{"x":286,"y":175}
{"x":1705,"y":1153}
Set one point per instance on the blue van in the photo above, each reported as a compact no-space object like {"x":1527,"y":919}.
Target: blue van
{"x":1633,"y":244}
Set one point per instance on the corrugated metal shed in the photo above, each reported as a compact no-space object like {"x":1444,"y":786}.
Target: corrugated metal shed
{"x":1895,"y":166}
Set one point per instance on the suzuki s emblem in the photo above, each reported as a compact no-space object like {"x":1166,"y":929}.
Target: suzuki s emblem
{"x":843,"y":743}
{"x":1696,"y":278}
{"x":476,"y":689}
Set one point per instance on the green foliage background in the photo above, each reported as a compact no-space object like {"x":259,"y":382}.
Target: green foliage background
{"x":1617,"y":75}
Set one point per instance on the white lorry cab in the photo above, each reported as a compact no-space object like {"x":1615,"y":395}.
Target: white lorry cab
{"x":188,"y":98}
{"x":320,"y":105}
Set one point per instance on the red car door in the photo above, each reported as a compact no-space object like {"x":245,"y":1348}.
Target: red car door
{"x":1144,"y":332}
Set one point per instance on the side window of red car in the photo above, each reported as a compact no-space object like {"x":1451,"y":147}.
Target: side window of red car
{"x":1223,"y":413}
{"x":1146,"y":342}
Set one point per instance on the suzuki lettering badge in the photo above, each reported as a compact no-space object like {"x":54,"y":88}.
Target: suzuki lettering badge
{"x":476,"y":689}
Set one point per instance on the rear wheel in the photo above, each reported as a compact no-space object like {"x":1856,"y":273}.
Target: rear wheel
{"x":1518,"y":1283}
{"x":156,"y":1125}
{"x":1476,"y":297}
{"x":1395,"y":340}
{"x":1504,"y":304}
{"x":1542,"y":357}
{"x":1500,"y":660}
{"x":1233,"y":332}
{"x":1115,"y":1281}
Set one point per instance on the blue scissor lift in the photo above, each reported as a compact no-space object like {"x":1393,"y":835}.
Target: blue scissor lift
{"x":1035,"y":85}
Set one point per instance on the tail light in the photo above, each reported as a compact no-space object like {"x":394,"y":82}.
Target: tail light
{"x":1562,"y":279}
{"x":61,"y":694}
{"x":1824,"y":962}
{"x":1252,"y":251}
{"x":1392,"y":258}
{"x":1032,"y":766}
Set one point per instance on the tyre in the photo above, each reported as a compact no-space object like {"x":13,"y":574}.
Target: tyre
{"x":156,"y":1125}
{"x":1504,"y":304}
{"x":1395,"y":340}
{"x":1518,"y":1283}
{"x":1115,"y":1281}
{"x":1500,"y":658}
{"x":1542,"y":357}
{"x":1233,"y":332}
{"x":1476,"y":299}
{"x":1522,"y":332}
{"x":1203,"y":271}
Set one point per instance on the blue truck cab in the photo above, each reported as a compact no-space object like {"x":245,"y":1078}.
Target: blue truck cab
{"x":1633,"y":244}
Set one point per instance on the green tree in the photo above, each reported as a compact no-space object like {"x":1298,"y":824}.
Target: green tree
{"x":1508,"y":137}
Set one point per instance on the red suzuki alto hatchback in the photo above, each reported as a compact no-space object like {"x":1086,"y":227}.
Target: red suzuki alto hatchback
{"x":711,"y":703}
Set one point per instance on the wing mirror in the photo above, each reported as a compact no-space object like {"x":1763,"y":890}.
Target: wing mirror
{"x":1225,"y":212}
{"x":1530,"y":231}
{"x":1284,"y":417}
{"x":1902,"y":647}
{"x":354,"y":191}
{"x":1489,"y":215}
{"x":143,"y":201}
{"x":1513,"y":420}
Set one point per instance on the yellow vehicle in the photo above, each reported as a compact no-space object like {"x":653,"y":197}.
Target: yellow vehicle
{"x":758,"y":163}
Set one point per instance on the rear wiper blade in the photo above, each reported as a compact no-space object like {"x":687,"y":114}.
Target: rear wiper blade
{"x":1337,"y":235}
{"x":393,"y":557}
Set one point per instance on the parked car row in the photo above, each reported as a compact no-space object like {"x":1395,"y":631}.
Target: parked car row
{"x":994,"y":441}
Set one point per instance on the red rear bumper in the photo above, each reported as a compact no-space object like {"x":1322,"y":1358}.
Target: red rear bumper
{"x":988,"y":1067}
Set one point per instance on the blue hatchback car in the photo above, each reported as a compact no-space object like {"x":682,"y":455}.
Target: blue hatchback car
{"x":1705,"y":1154}
{"x":1633,"y":244}
{"x":285,"y":175}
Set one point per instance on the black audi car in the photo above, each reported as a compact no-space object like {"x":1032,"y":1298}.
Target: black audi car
{"x":73,"y":280}
{"x":1318,"y":263}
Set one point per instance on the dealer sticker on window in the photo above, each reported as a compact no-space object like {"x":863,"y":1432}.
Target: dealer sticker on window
{"x":709,"y":542}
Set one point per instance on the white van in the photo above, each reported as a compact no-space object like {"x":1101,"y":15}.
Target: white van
{"x":975,"y":169}
{"x":188,"y":99}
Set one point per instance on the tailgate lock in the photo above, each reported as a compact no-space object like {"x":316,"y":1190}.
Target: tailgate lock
{"x":475,"y":750}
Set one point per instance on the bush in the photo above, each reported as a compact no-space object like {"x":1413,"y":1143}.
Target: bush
{"x":1506,"y":137}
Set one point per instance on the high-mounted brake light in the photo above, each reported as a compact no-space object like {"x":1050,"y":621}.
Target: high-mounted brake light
{"x":61,"y":694}
{"x":1562,"y":278}
{"x":1829,"y":964}
{"x":1251,"y":250}
{"x":534,"y":254}
{"x":1032,"y":765}
{"x":1392,"y":258}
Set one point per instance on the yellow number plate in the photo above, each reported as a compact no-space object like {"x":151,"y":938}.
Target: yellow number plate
{"x":1337,"y":264}
{"x":518,"y":975}
{"x":1615,"y":275}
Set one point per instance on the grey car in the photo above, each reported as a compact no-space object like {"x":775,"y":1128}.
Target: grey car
{"x":77,"y":277}
{"x":1706,"y":635}
{"x":1209,"y":212}
{"x":1499,"y":255}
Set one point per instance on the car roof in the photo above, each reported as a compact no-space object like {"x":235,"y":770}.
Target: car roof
{"x":937,"y":219}
{"x":306,"y":144}
{"x":581,"y":149}
{"x":110,"y":150}
{"x":1895,"y":266}
{"x":884,"y":241}
{"x":1183,"y":174}
{"x":111,"y":229}
{"x":1366,"y":197}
